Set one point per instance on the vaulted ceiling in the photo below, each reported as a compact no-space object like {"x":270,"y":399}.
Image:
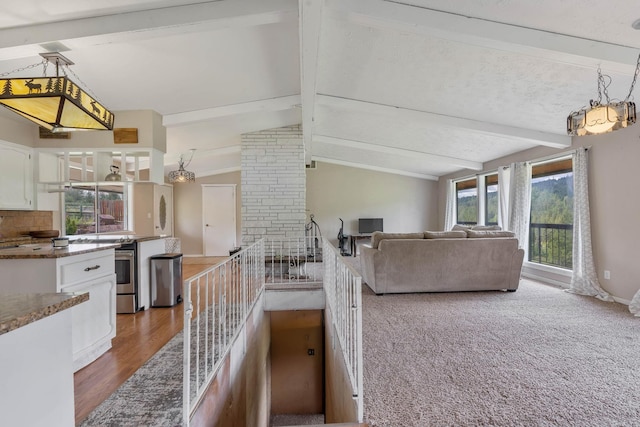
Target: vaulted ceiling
{"x":415,"y":87}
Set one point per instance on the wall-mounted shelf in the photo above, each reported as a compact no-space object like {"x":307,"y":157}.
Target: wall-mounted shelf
{"x":82,"y":167}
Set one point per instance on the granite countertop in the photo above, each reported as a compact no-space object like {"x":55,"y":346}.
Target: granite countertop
{"x":21,"y":309}
{"x":98,"y":237}
{"x":46,"y":250}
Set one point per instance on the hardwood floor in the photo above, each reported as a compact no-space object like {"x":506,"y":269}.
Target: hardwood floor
{"x":138,"y":337}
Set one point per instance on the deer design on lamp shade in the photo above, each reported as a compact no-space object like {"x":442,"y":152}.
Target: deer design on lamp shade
{"x":94,"y":108}
{"x":33,"y":87}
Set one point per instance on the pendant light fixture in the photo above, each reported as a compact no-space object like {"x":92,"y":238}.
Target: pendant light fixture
{"x":55,"y":103}
{"x":605,"y":117}
{"x":182,"y":175}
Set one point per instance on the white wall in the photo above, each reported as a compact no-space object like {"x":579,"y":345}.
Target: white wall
{"x":615,"y":204}
{"x":405,"y":204}
{"x":17,"y":131}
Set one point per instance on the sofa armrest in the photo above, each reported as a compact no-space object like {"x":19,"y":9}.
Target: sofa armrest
{"x":367,"y":263}
{"x":515,"y":269}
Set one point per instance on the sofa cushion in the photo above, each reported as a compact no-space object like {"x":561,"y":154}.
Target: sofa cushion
{"x":489,"y":233}
{"x":378,"y":236}
{"x":457,"y":234}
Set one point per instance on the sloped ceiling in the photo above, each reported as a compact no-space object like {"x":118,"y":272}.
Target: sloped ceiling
{"x":417,"y":87}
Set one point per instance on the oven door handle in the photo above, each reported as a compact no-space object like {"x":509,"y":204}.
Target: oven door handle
{"x":95,"y":267}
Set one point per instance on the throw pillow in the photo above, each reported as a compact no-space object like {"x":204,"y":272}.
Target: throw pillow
{"x":489,"y":233}
{"x":458,"y":234}
{"x":487,"y":227}
{"x":378,"y":236}
{"x":459,"y":227}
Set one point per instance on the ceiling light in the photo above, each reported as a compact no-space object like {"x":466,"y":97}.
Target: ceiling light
{"x":602,"y":118}
{"x":182,"y":175}
{"x":55,"y":103}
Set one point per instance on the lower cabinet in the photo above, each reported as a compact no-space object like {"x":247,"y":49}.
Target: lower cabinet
{"x":93,"y":322}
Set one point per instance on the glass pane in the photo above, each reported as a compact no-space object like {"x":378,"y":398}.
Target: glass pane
{"x":491,"y":200}
{"x":491,"y":204}
{"x":551,"y":229}
{"x":111,"y":209}
{"x":467,"y":206}
{"x":90,"y":210}
{"x":79,"y":208}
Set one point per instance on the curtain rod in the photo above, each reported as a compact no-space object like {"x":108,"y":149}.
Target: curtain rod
{"x":550,"y":157}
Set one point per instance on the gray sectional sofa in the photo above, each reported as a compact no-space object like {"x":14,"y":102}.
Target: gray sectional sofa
{"x":445,"y":261}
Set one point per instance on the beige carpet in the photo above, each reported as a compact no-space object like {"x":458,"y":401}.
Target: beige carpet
{"x":536,"y":357}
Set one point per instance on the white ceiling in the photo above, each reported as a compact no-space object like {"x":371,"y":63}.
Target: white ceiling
{"x":416,"y":87}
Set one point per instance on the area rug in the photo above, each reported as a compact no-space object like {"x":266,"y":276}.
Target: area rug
{"x":535,"y":357}
{"x":150,"y":397}
{"x":153,"y":395}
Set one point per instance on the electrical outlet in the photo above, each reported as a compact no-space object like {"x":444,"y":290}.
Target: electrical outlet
{"x":607,"y":275}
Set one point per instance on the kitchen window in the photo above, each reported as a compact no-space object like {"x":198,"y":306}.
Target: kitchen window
{"x":90,"y":209}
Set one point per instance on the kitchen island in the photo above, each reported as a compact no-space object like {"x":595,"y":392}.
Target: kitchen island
{"x":79,"y":268}
{"x":36,"y":360}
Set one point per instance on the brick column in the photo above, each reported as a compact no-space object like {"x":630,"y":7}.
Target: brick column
{"x":273,"y":186}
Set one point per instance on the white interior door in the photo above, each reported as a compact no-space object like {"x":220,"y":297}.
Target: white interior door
{"x":219,"y":219}
{"x":163,"y":206}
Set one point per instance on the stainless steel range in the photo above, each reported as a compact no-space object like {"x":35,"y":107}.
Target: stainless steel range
{"x":127,"y":288}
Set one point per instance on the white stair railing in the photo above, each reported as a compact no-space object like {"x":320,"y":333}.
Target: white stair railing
{"x":217,"y":303}
{"x":293,"y":261}
{"x":343,"y":291}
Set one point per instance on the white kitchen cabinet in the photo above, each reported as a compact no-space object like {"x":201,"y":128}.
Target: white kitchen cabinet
{"x":16,"y":186}
{"x":47,"y":169}
{"x":147,"y":249}
{"x":93,"y":322}
{"x":153,"y":210}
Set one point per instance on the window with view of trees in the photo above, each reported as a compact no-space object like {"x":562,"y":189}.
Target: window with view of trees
{"x":491,"y":199}
{"x":94,"y":210}
{"x":551,"y":225}
{"x":467,"y":202}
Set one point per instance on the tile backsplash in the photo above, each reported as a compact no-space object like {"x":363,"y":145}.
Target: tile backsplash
{"x":19,"y":223}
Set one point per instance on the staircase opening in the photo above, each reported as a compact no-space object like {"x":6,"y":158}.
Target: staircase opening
{"x":297,"y":367}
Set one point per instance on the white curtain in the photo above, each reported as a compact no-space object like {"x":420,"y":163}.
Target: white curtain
{"x":450,"y":209}
{"x":520,"y":202}
{"x":504,"y":181}
{"x":584,"y":280}
{"x":634,"y":307}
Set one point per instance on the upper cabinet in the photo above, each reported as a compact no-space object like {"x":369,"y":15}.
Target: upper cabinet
{"x":16,"y":177}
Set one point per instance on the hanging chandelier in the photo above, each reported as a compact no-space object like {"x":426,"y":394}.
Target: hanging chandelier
{"x":55,"y":103}
{"x":602,"y":118}
{"x":182,"y":175}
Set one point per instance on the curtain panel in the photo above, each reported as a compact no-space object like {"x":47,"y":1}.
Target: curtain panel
{"x":450,"y":209}
{"x":584,"y":280}
{"x":634,"y":307}
{"x":504,"y":182}
{"x":520,"y":202}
